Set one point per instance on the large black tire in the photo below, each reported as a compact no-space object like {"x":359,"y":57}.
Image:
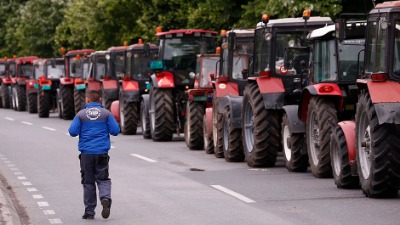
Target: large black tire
{"x":321,"y":119}
{"x":43,"y":102}
{"x":294,"y":148}
{"x":261,"y":129}
{"x":20,"y":98}
{"x":208,"y":139}
{"x":161,"y":114}
{"x":218,"y":119}
{"x":5,"y":96}
{"x":105,"y":100}
{"x":232,"y":143}
{"x":145,"y":119}
{"x":378,"y":155}
{"x":341,"y":168}
{"x":32,"y":102}
{"x":67,"y":101}
{"x":129,"y":116}
{"x":79,"y":100}
{"x":194,"y":125}
{"x":1,"y":101}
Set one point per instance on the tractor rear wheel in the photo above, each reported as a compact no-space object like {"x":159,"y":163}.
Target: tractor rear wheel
{"x":194,"y":125}
{"x":377,"y":146}
{"x":43,"y":100}
{"x":105,"y":100}
{"x":79,"y":100}
{"x":67,"y":101}
{"x":144,"y":117}
{"x":129,"y":116}
{"x":32,"y":103}
{"x":20,"y":99}
{"x":161,"y":114}
{"x":208,"y":139}
{"x":293,"y":144}
{"x":321,"y":118}
{"x":232,"y":143}
{"x":261,"y":129}
{"x":341,"y":168}
{"x":218,"y":132}
{"x":5,"y":96}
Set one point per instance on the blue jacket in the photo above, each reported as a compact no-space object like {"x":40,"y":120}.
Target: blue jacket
{"x":93,"y":124}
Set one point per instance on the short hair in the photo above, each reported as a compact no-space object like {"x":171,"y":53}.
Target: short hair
{"x":93,"y":95}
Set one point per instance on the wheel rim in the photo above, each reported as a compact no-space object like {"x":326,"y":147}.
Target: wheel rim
{"x":364,"y":135}
{"x":152,"y":114}
{"x":205,"y":134}
{"x":314,"y":139}
{"x":336,"y":159}
{"x":143,"y":120}
{"x":16,"y":100}
{"x":121,"y":114}
{"x":215,"y":129}
{"x":226,"y":134}
{"x":286,"y":138}
{"x":249,"y":127}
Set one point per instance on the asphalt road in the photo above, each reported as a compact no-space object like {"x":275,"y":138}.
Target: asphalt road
{"x":153,"y":183}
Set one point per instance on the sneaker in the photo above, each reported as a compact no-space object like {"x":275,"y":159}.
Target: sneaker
{"x":87,"y":216}
{"x":105,"y":202}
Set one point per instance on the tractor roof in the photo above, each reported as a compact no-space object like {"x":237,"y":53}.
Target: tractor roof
{"x":3,"y":61}
{"x":117,"y":49}
{"x":78,"y":52}
{"x":26,"y":59}
{"x":208,"y":33}
{"x":354,"y":29}
{"x":242,"y":32}
{"x":140,"y":46}
{"x":321,"y":32}
{"x":297,"y":22}
{"x":392,"y":6}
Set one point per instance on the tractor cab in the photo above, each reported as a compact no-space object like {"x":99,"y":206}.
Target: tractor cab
{"x":2,"y":68}
{"x":98,"y":66}
{"x":206,"y":69}
{"x":54,"y":69}
{"x":77,"y":63}
{"x":115,"y":62}
{"x":178,"y":50}
{"x":23,"y":69}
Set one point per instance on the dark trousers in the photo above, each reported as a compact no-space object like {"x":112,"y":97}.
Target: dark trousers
{"x":94,"y":169}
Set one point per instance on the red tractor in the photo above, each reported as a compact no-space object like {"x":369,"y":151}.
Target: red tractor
{"x":270,"y":103}
{"x":71,"y":94}
{"x":174,"y":73}
{"x":97,"y":70}
{"x":331,"y":96}
{"x":10,"y":70}
{"x":47,"y":73}
{"x":133,"y":85}
{"x":200,"y":98}
{"x":375,"y":132}
{"x":115,"y":70}
{"x":2,"y":75}
{"x":222,"y":121}
{"x":18,"y":88}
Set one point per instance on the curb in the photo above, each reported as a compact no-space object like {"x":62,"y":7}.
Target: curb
{"x":8,"y":212}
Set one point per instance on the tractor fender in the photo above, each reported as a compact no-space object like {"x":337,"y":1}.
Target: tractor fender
{"x":66,"y":81}
{"x":296,"y":126}
{"x":131,"y":96}
{"x":109,"y":84}
{"x":316,"y":90}
{"x":348,"y":128}
{"x":6,"y":81}
{"x":110,"y":93}
{"x":93,"y":85}
{"x":130,"y":85}
{"x":163,"y":79}
{"x":21,"y":82}
{"x":209,"y":119}
{"x":115,"y":110}
{"x":388,"y":112}
{"x":223,"y":89}
{"x":235,"y":105}
{"x":272,"y":91}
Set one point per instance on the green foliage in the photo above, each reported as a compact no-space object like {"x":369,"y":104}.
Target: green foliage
{"x":41,"y":27}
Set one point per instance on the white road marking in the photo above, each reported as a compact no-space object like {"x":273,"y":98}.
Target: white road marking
{"x":43,"y":204}
{"x":18,"y":173}
{"x":3,"y":158}
{"x":7,"y":162}
{"x":232,"y":193}
{"x":49,"y":212}
{"x":31,"y":189}
{"x":14,"y":169}
{"x":144,"y":158}
{"x":10,"y":165}
{"x":49,"y":128}
{"x":27,"y":123}
{"x":112,"y":146}
{"x":37,"y":196}
{"x":26,"y":183}
{"x":9,"y":118}
{"x":55,"y":221}
{"x":21,"y":178}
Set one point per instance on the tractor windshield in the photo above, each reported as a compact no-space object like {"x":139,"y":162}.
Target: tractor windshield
{"x":76,"y":66}
{"x":324,"y":61}
{"x":283,"y":42}
{"x":140,"y":64}
{"x":396,"y":61}
{"x":25,"y":70}
{"x":262,"y":45}
{"x":179,"y":55}
{"x":351,"y":59}
{"x":207,"y":67}
{"x":242,"y":51}
{"x":376,"y":47}
{"x":55,"y":71}
{"x":38,"y":70}
{"x":118,"y":61}
{"x":100,"y":67}
{"x":2,"y":69}
{"x":12,"y":69}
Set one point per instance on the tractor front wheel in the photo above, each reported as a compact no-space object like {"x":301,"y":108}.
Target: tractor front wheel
{"x":217,"y":131}
{"x":32,"y":103}
{"x":194,"y":125}
{"x":144,"y":117}
{"x":232,"y":143}
{"x":208,"y":139}
{"x":43,"y":100}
